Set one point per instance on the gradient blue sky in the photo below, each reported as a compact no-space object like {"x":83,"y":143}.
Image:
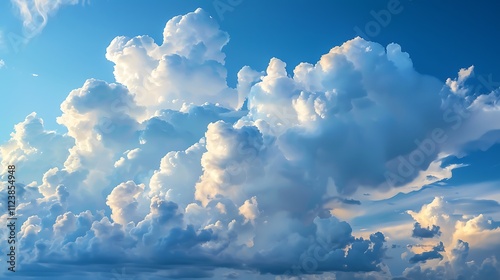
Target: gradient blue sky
{"x":157,"y":181}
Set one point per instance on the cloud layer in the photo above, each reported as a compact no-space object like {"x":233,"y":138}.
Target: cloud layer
{"x":168,"y":172}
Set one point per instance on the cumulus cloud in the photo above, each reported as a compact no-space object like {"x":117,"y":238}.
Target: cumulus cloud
{"x":34,"y":150}
{"x":250,"y":209}
{"x":466,"y":234}
{"x":427,"y":232}
{"x":457,"y":85}
{"x":123,"y":203}
{"x":230,"y":160}
{"x":187,"y":68}
{"x":429,"y":255}
{"x":457,"y":267}
{"x":354,"y":108}
{"x":475,"y":229}
{"x":173,"y":171}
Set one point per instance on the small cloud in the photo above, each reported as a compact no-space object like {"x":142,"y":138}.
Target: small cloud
{"x":429,"y":255}
{"x":34,"y":75}
{"x":2,"y":63}
{"x":428,"y":232}
{"x":35,"y":14}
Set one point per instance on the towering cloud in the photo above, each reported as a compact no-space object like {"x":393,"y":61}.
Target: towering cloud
{"x":188,"y":67}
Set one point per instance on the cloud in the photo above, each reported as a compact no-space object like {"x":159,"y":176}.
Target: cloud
{"x":231,"y":159}
{"x":187,"y":68}
{"x":457,"y":85}
{"x":35,"y":13}
{"x":123,"y":203}
{"x":475,"y":229}
{"x":249,"y":209}
{"x":429,"y":255}
{"x":2,"y":63}
{"x":339,"y":108}
{"x":457,"y":268}
{"x":33,"y":149}
{"x":466,"y":234}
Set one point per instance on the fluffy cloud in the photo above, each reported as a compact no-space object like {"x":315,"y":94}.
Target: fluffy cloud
{"x":232,"y":157}
{"x":250,"y":209}
{"x":457,"y":85}
{"x":34,"y":150}
{"x":354,"y":109}
{"x":178,"y":173}
{"x":123,"y":203}
{"x":188,"y":67}
{"x":466,"y":234}
{"x":457,"y":268}
{"x":429,"y":255}
{"x":475,"y":229}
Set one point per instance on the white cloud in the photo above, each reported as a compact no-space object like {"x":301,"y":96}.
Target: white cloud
{"x":250,"y":209}
{"x":477,"y":230}
{"x":188,"y":67}
{"x":457,"y":85}
{"x":123,"y":201}
{"x":35,"y":13}
{"x":469,"y":235}
{"x":34,"y":149}
{"x":340,"y":107}
{"x":178,"y":173}
{"x":2,"y":63}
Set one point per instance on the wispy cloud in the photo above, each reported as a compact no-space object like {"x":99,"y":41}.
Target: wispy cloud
{"x":2,"y":63}
{"x":35,"y":13}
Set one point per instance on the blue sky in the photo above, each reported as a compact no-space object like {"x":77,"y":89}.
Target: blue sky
{"x":369,"y":136}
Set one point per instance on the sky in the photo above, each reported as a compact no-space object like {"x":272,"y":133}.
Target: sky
{"x":238,"y":139}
